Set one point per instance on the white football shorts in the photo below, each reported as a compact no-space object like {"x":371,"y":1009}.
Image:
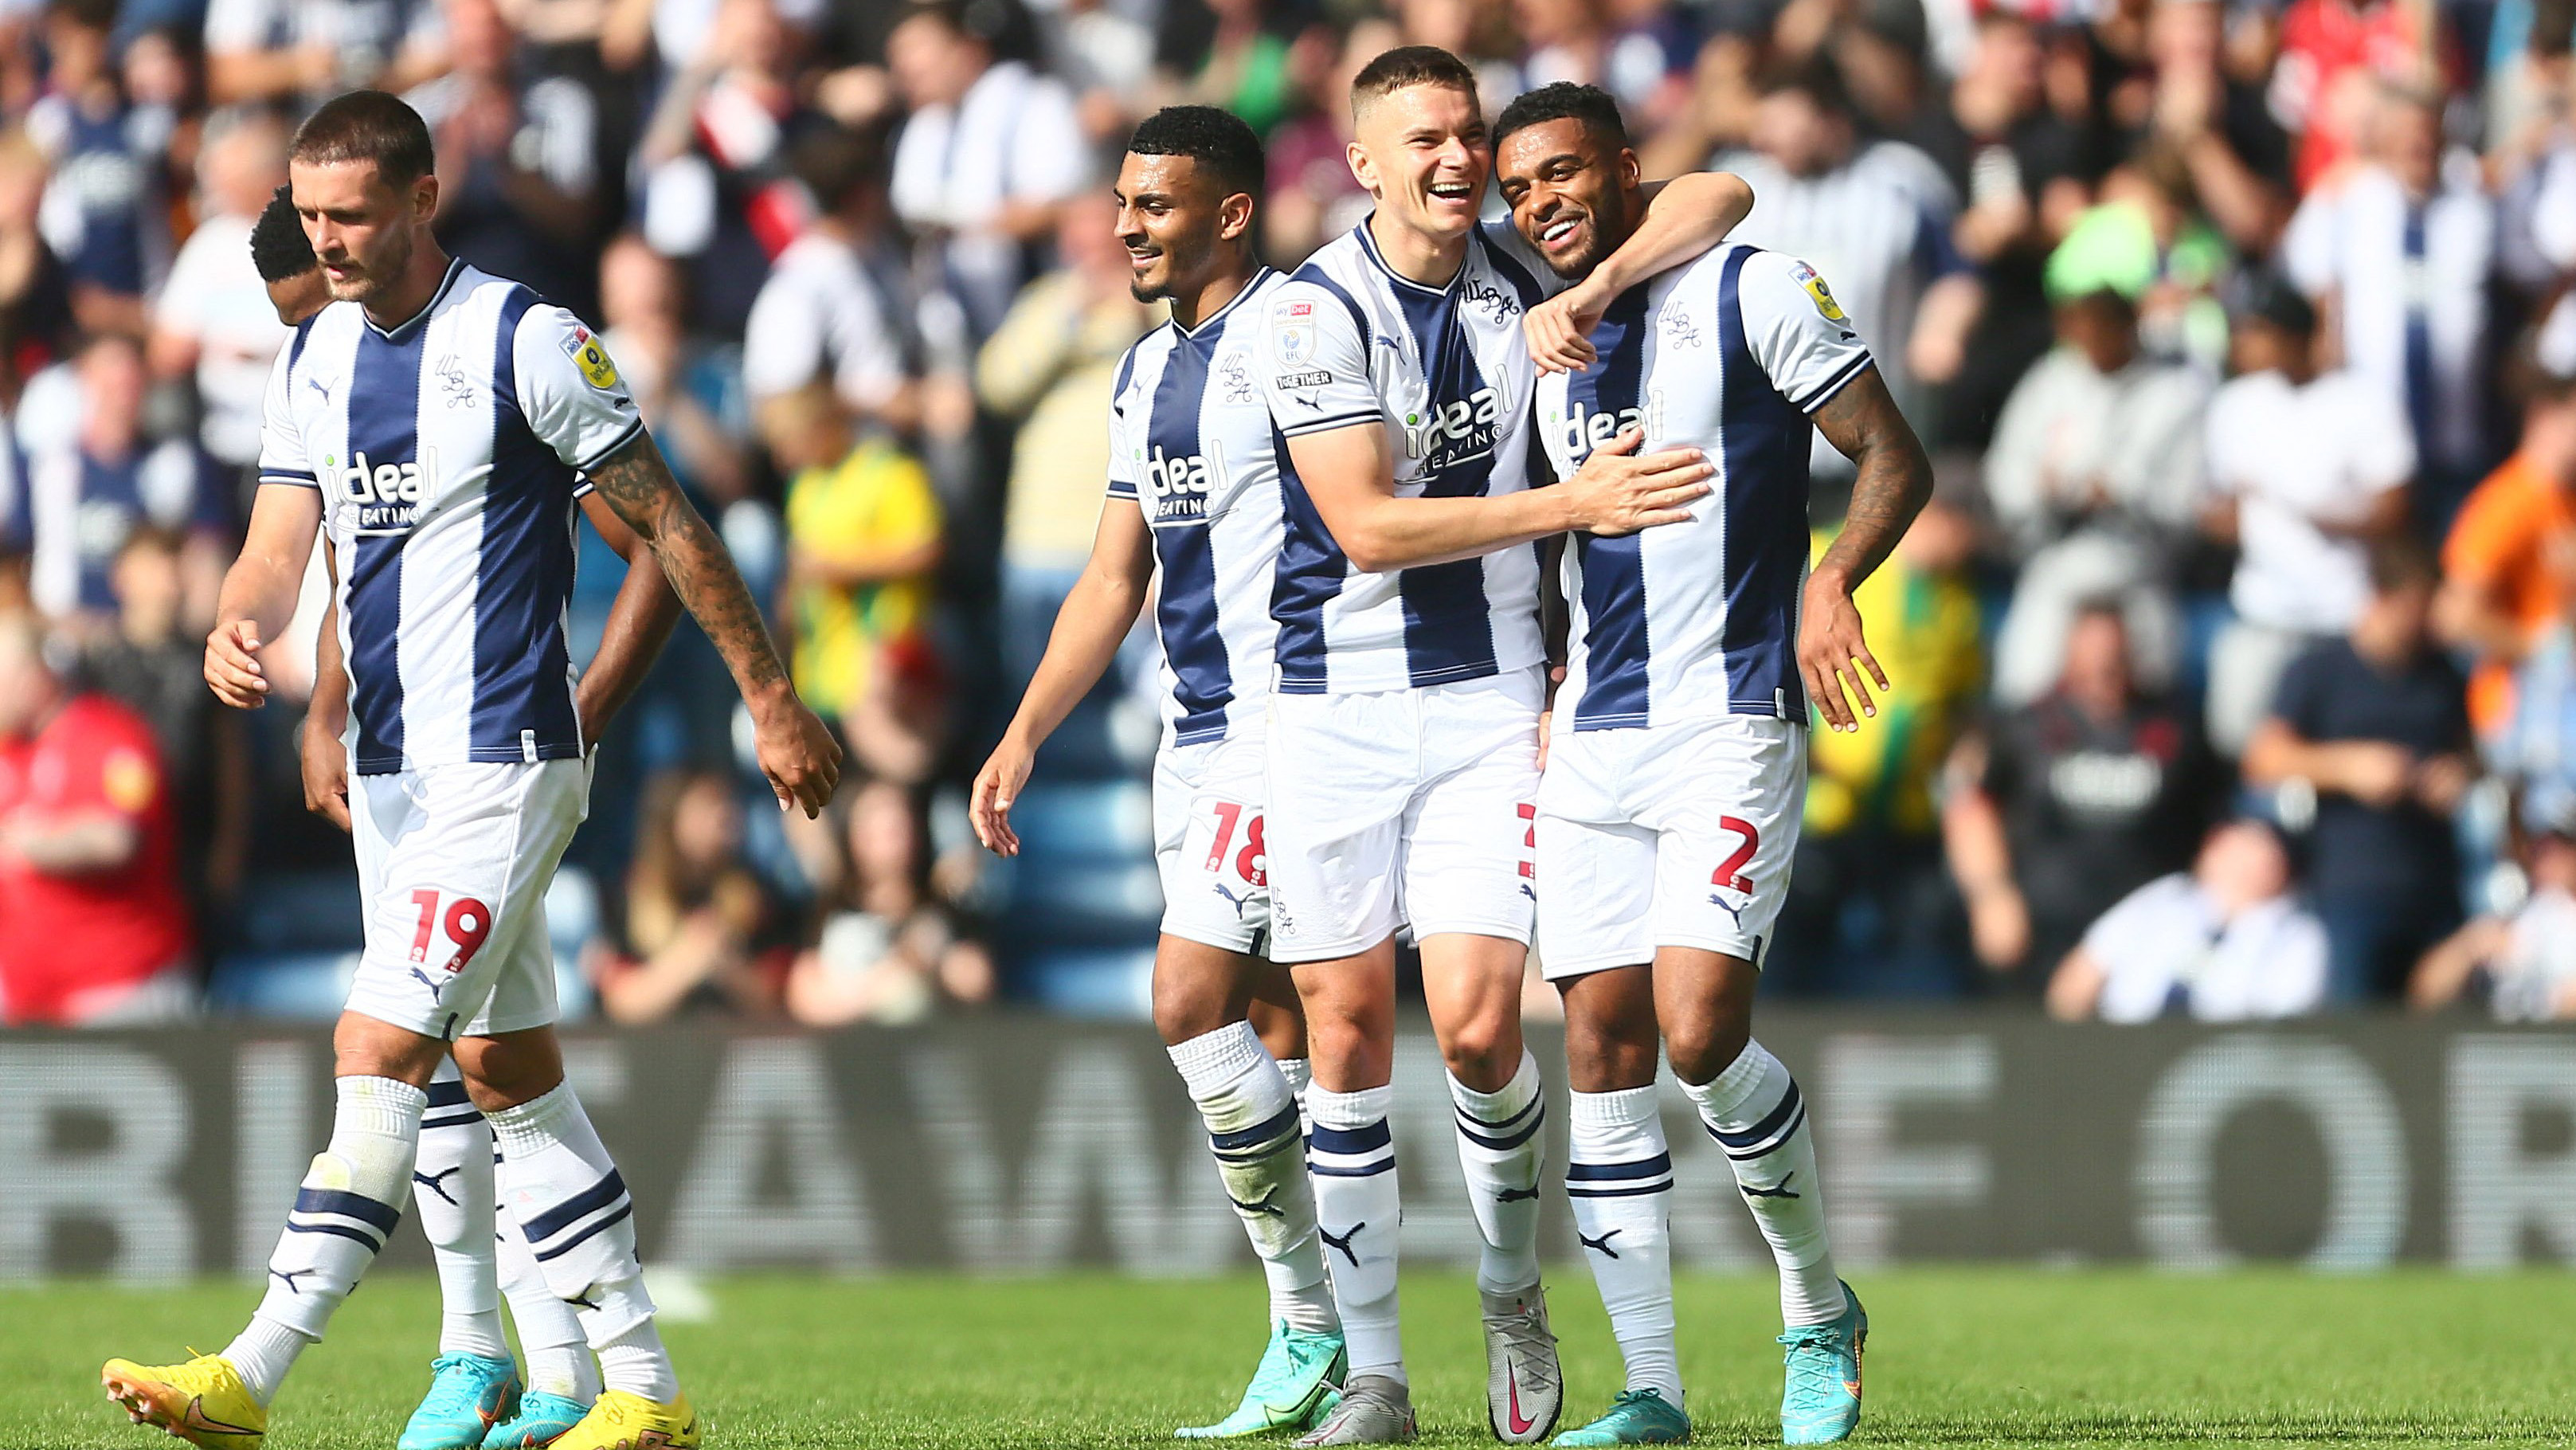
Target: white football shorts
{"x":1390,"y":807}
{"x":453,"y":865}
{"x":1666,"y":835}
{"x":1208,"y":842}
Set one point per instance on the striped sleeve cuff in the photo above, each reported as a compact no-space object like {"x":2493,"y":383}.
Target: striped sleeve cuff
{"x":289,"y":476}
{"x":1326,"y":425}
{"x":633,"y":431}
{"x":1121,"y":488}
{"x":1836,"y":383}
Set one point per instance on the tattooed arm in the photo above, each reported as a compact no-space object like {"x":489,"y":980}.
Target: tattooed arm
{"x":796,"y":752}
{"x":1894,"y":483}
{"x":639,"y":623}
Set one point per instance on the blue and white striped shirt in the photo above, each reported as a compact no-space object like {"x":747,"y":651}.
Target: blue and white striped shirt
{"x":446,"y":451}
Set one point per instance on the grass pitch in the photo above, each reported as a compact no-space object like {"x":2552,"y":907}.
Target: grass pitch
{"x":1958,"y":1357}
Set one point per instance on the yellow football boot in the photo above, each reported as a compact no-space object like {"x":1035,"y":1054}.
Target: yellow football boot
{"x":620,"y":1421}
{"x":203,"y":1402}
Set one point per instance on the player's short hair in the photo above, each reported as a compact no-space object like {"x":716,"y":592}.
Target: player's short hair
{"x":278,"y":246}
{"x":2401,"y":562}
{"x":1565,"y":101}
{"x":1407,"y":66}
{"x":1221,"y":142}
{"x":836,"y":162}
{"x":370,"y":126}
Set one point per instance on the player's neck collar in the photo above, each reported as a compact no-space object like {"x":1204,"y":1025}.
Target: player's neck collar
{"x":1368,"y":246}
{"x":401,"y":331}
{"x":1208,"y":324}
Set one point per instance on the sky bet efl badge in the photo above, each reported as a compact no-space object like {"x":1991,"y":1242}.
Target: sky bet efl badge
{"x":1815,"y":286}
{"x":591,"y":358}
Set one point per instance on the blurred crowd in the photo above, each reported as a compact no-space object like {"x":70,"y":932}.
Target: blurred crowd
{"x":2234,"y":661}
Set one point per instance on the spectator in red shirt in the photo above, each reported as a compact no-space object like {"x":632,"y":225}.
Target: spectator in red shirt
{"x":93,"y":928}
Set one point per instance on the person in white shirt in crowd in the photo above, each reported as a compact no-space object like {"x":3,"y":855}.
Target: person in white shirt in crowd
{"x":2520,"y":957}
{"x":2397,"y":251}
{"x":2226,"y":941}
{"x":827,"y":310}
{"x":1875,"y":217}
{"x":2306,"y":467}
{"x":303,"y":52}
{"x":2094,"y":473}
{"x":214,"y":319}
{"x":989,"y":154}
{"x":516,"y":167}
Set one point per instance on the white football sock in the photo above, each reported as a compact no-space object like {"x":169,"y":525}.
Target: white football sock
{"x":1253,"y":1130}
{"x":1754,"y":1112}
{"x":452,"y":1193}
{"x":1300,"y":1074}
{"x":550,"y":1336}
{"x":1357,"y":1205}
{"x":347,"y":1206}
{"x":1501,"y":1148}
{"x":564,"y":1193}
{"x":1619,"y":1179}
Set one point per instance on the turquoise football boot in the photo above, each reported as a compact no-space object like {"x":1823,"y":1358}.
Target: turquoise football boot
{"x":1299,"y":1378}
{"x":468,"y":1395}
{"x":541,"y":1418}
{"x":1820,"y":1404}
{"x":1638,"y":1417}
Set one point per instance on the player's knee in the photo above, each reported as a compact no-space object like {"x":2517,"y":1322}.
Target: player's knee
{"x":1183,"y":1010}
{"x":362,"y":1046}
{"x":513,"y":1068}
{"x":1484,"y":1050}
{"x":1705,"y":1044}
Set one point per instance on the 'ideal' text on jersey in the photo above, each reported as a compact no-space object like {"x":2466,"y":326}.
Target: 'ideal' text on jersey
{"x":446,"y":451}
{"x":1446,"y":371}
{"x":1190,"y":440}
{"x":1731,"y":354}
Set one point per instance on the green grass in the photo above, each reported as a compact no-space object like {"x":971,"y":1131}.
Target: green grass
{"x":1960,"y":1357}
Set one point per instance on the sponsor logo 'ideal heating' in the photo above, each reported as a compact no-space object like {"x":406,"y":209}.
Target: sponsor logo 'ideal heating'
{"x":386,"y":495}
{"x":1179,"y":484}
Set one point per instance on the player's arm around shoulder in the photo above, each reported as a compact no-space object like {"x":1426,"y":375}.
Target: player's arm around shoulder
{"x":1815,"y":360}
{"x":1686,"y":218}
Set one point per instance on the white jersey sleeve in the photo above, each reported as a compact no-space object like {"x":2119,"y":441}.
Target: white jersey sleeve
{"x":569,"y":390}
{"x":1126,"y":479}
{"x":1797,"y":331}
{"x":1315,"y":364}
{"x":281,"y":444}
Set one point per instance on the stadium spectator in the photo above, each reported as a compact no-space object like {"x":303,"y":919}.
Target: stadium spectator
{"x":884,"y":951}
{"x":1313,"y":195}
{"x":2398,"y":252}
{"x":36,"y":321}
{"x":1874,"y":217}
{"x":1870,"y":910}
{"x":2374,"y":728}
{"x":689,"y":391}
{"x":1051,"y":368}
{"x":88,"y":488}
{"x":712,"y":162}
{"x":301,"y":54}
{"x":830,"y":310}
{"x":986,"y":158}
{"x":698,"y":931}
{"x":1105,"y":53}
{"x":101,"y":216}
{"x":1235,"y":54}
{"x":2231,"y":145}
{"x":516,"y":191}
{"x":2306,"y":467}
{"x":214,"y":322}
{"x":2519,"y":960}
{"x":2095,"y":473}
{"x":157,"y":669}
{"x":2509,"y":567}
{"x":2333,"y":55}
{"x":2062,"y":806}
{"x":863,"y":535}
{"x":2226,"y":941}
{"x":93,"y":929}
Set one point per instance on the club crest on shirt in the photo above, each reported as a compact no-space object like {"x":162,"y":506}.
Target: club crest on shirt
{"x":1817,"y":292}
{"x":591,"y":358}
{"x":460,"y":388}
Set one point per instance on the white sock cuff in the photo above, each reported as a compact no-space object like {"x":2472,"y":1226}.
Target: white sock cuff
{"x":535,"y":1123}
{"x":1214,"y":1061}
{"x":1615,"y":1127}
{"x":380,"y":1105}
{"x":1300,"y":1074}
{"x":1504,"y":1103}
{"x":1350,"y":1110}
{"x":1722,"y":1096}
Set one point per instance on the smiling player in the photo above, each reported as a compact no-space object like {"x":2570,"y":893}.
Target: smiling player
{"x":1670,"y":806}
